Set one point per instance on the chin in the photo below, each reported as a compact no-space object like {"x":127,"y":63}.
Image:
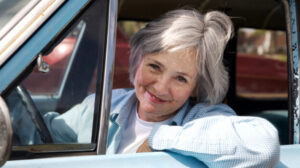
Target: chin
{"x":149,"y":109}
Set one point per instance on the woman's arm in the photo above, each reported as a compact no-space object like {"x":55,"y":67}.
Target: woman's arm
{"x":75,"y":125}
{"x":221,"y":141}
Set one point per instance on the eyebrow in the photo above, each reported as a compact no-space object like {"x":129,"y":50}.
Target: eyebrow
{"x":160,"y":64}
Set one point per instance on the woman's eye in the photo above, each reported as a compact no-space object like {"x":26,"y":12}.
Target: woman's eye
{"x":154,"y":66}
{"x":181,"y":79}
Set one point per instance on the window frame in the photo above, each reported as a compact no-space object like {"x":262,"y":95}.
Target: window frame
{"x":105,"y":54}
{"x":292,"y":17}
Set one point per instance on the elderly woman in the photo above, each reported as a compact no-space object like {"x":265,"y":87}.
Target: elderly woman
{"x":173,"y":59}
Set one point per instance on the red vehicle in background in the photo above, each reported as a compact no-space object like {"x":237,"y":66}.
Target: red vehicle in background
{"x":259,"y":76}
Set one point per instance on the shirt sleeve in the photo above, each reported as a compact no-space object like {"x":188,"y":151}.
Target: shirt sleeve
{"x":221,"y":141}
{"x":75,"y":125}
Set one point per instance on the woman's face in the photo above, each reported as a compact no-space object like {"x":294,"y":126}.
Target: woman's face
{"x":163,"y":82}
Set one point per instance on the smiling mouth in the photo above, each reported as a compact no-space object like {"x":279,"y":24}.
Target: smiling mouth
{"x":155,"y":98}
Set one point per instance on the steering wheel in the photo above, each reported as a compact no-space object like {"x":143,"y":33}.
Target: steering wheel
{"x":34,"y":114}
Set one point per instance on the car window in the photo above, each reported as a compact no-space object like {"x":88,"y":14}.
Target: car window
{"x":53,"y":103}
{"x":260,"y":74}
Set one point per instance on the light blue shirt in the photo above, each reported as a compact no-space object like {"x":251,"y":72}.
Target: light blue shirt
{"x":212,"y":134}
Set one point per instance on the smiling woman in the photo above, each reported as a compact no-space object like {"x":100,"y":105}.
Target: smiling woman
{"x":163,"y":83}
{"x":174,"y":58}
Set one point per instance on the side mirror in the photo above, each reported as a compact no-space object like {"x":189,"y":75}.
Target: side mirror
{"x":6,"y":132}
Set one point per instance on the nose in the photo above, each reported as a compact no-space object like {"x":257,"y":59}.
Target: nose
{"x":162,"y":86}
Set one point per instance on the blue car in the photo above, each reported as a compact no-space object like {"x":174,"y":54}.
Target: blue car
{"x":55,"y":53}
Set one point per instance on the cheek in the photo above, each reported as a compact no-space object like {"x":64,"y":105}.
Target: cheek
{"x":182,"y":93}
{"x":143,"y":76}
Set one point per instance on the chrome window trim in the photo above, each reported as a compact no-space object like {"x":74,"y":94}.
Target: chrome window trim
{"x":108,"y":76}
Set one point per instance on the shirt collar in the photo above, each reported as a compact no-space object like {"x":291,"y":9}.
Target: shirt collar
{"x":121,"y":113}
{"x":178,"y":118}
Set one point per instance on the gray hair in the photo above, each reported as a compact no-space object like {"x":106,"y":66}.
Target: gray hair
{"x":183,"y":29}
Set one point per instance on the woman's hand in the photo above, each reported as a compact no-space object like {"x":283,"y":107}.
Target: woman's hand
{"x":144,"y":147}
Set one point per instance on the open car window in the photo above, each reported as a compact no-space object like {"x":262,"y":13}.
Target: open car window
{"x":256,"y":59}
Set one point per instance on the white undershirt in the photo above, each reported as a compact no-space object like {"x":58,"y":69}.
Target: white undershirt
{"x":136,"y":132}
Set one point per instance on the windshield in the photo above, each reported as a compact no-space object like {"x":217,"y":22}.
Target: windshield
{"x":19,"y":19}
{"x":11,"y":11}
